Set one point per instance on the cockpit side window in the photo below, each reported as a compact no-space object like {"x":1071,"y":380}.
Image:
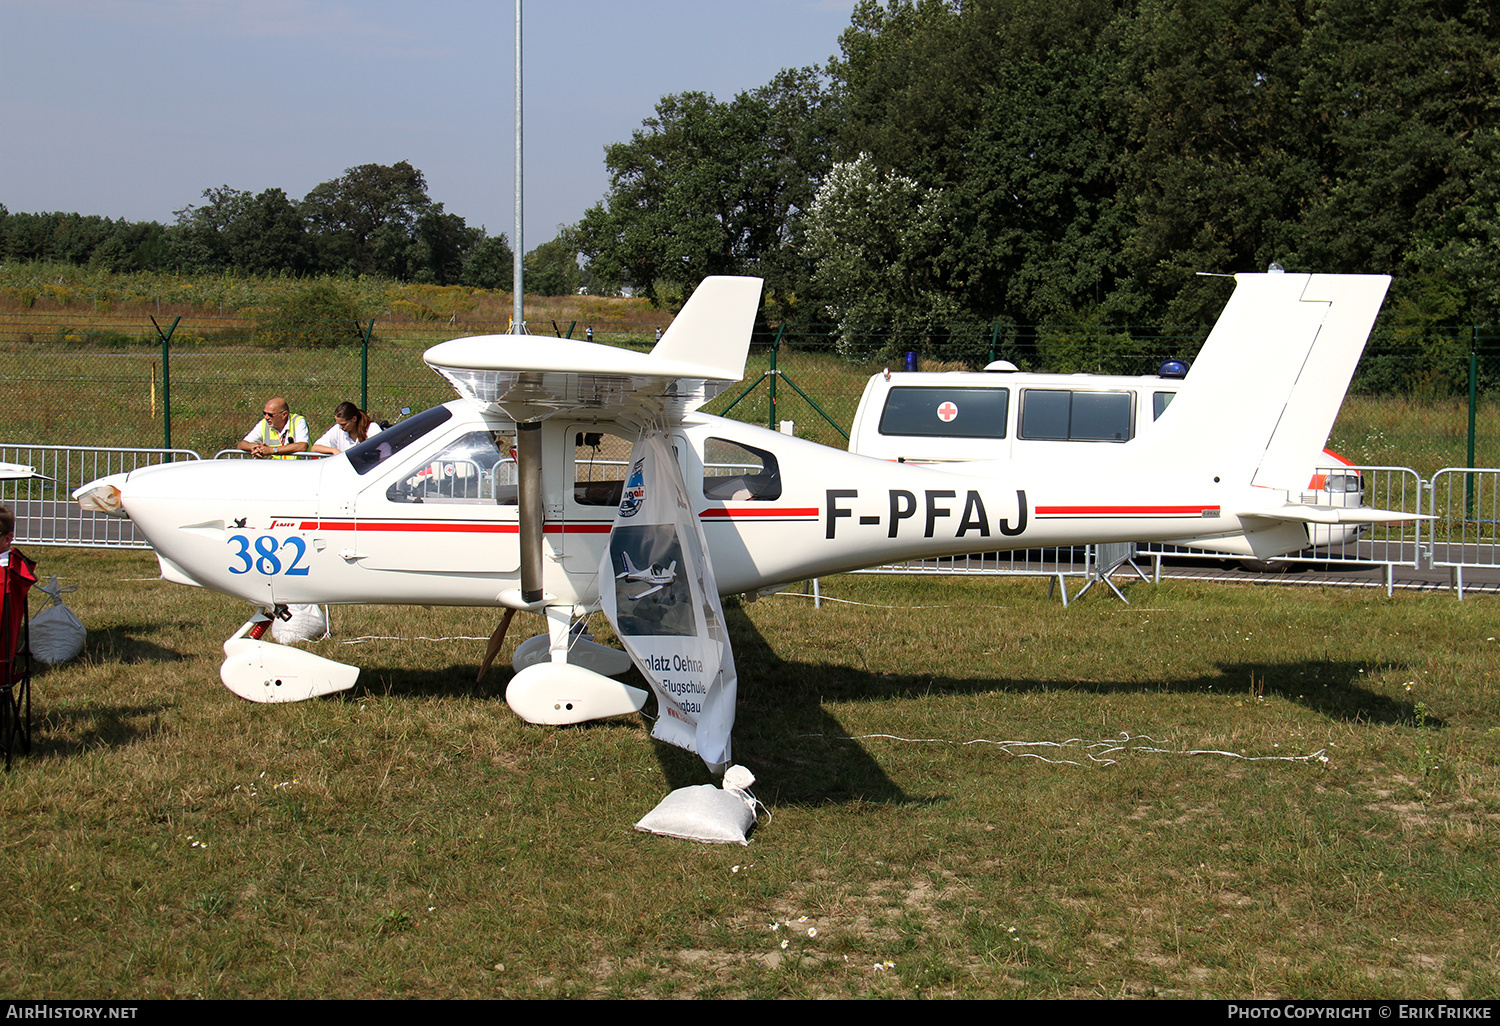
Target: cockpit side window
{"x":376,"y":449}
{"x":475,"y":469}
{"x":733,"y":472}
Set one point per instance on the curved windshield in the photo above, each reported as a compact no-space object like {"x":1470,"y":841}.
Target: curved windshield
{"x":376,"y":449}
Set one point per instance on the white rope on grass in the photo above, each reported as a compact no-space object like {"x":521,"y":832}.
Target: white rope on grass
{"x":1110,"y":746}
{"x":420,"y":637}
{"x":871,"y":605}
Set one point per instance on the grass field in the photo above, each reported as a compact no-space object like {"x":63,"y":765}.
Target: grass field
{"x":1335,"y":838}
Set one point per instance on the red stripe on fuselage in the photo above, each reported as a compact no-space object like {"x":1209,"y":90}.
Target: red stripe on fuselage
{"x":1124,"y":511}
{"x":446,"y":527}
{"x":798,"y":512}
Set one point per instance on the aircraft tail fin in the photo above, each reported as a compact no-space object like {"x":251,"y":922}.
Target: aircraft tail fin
{"x":1267,"y":385}
{"x":713,"y":328}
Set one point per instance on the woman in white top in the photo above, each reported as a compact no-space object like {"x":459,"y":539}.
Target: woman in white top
{"x":351,"y":425}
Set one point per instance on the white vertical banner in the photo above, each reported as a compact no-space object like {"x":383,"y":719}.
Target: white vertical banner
{"x":657,"y":588}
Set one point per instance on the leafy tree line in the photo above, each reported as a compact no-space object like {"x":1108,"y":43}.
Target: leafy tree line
{"x":373,"y":220}
{"x":1080,"y":161}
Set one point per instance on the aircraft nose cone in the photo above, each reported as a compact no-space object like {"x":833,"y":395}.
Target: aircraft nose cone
{"x":175,"y":495}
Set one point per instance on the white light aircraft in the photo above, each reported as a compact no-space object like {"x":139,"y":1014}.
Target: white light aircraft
{"x":547,"y":530}
{"x":655,"y":575}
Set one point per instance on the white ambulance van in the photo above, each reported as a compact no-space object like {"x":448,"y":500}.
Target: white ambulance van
{"x":1045,"y":420}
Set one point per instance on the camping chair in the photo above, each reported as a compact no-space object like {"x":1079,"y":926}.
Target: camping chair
{"x":16,"y":580}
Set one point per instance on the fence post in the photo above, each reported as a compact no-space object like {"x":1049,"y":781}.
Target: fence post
{"x":775,"y":348}
{"x":166,"y":385}
{"x":364,"y":366}
{"x":1473,"y":405}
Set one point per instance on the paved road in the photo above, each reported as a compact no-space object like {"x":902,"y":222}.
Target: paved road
{"x":58,"y":522}
{"x":1483,"y":580}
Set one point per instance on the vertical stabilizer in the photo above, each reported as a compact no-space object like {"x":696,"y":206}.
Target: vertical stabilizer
{"x":1354,"y":301}
{"x":1270,"y":378}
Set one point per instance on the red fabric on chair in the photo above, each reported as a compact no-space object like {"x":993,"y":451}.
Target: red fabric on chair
{"x":16,"y":580}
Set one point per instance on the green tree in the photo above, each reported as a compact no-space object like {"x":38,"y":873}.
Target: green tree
{"x":268,"y":236}
{"x":64,"y":238}
{"x":442,"y":243}
{"x":318,"y":314}
{"x":910,"y":82}
{"x":133,"y":246}
{"x":1039,"y":221}
{"x":201,"y":239}
{"x":552,"y":268}
{"x":873,"y":236}
{"x":1455,"y":253}
{"x":1404,"y":94}
{"x":378,"y":219}
{"x":1218,"y":167}
{"x":262,"y":234}
{"x":489,"y":264}
{"x":712,"y":188}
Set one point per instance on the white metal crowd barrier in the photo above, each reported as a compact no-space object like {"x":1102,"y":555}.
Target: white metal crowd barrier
{"x":45,"y":511}
{"x":1465,"y":533}
{"x":1055,"y":563}
{"x":1466,"y":505}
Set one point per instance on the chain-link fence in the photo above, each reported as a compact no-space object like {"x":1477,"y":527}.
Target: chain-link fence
{"x":83,"y":377}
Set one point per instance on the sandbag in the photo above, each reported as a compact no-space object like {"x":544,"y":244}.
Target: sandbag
{"x":307,"y":623}
{"x":705,"y":813}
{"x":55,"y":635}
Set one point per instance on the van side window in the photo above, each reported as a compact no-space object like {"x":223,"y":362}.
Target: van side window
{"x":946,"y":412}
{"x":739,"y":473}
{"x":1076,"y":416}
{"x":1159,"y":402}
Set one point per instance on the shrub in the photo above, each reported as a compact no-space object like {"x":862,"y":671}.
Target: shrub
{"x":321,"y":314}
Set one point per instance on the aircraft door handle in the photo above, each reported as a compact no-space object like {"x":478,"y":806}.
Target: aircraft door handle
{"x":349,"y":555}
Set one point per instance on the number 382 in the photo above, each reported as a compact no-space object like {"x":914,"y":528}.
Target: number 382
{"x":268,"y":555}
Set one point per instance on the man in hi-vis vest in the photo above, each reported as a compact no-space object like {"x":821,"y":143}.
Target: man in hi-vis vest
{"x":279,"y":435}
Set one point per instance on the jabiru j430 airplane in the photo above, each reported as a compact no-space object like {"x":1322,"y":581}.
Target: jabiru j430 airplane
{"x":615,"y":469}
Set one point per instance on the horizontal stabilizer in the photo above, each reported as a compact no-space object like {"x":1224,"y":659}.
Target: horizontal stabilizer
{"x":1335,"y":514}
{"x":21,"y":472}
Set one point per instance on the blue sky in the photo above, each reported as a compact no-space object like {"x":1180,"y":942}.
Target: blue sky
{"x":131,"y":108}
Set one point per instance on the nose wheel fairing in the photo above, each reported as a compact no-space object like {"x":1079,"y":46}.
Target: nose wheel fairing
{"x":266,"y":672}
